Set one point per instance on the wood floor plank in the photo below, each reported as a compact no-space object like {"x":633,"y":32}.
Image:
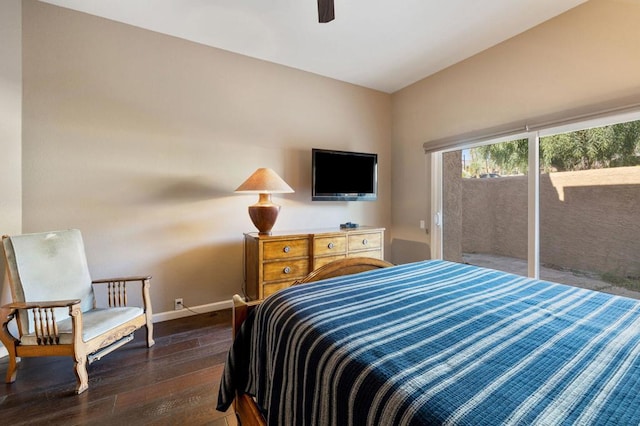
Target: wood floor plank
{"x":152,"y":392}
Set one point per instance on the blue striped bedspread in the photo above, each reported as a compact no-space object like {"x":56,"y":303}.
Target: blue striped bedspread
{"x":437,"y":342}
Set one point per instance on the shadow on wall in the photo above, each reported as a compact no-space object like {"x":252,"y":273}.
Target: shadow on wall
{"x":407,"y":251}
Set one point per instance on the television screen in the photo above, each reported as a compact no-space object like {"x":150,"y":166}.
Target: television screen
{"x":344,"y":176}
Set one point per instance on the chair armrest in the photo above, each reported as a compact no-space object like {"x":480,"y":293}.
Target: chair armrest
{"x":44,"y":304}
{"x":117,"y":293}
{"x":122,"y":279}
{"x":44,"y":320}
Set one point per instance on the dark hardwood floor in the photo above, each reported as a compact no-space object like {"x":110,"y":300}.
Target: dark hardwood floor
{"x":174,"y":382}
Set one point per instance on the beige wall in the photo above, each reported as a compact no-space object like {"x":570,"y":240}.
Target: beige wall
{"x":10,"y":116}
{"x":10,"y":127}
{"x":140,"y":139}
{"x":586,"y":56}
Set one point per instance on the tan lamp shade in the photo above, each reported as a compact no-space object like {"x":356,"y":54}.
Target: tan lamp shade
{"x":265,"y":182}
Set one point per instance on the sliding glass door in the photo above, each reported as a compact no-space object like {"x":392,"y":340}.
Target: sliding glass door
{"x":485,"y":205}
{"x":590,"y":207}
{"x":558,"y":204}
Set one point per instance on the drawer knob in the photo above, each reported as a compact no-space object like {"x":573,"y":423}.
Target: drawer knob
{"x":365,"y":242}
{"x":330,"y":245}
{"x":287,"y":270}
{"x":286,"y":249}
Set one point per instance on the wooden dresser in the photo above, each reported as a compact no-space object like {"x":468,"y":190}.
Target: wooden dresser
{"x":273,"y":262}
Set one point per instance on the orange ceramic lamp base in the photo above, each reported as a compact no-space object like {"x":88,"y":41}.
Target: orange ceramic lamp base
{"x":264,"y":182}
{"x":264,"y":214}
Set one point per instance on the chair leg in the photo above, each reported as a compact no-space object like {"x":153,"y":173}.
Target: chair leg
{"x":82,"y":377}
{"x":9,"y":343}
{"x":79,"y":350}
{"x":150,"y":341}
{"x":148,"y":311}
{"x":12,"y":368}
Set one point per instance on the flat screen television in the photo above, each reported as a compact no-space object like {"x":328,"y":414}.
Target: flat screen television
{"x":344,"y":175}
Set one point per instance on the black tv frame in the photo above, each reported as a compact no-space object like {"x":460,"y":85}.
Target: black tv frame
{"x":344,"y":196}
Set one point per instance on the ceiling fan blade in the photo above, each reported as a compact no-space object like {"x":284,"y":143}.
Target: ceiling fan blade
{"x":325,"y":11}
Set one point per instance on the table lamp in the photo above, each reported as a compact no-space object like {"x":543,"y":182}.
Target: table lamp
{"x":264,"y":182}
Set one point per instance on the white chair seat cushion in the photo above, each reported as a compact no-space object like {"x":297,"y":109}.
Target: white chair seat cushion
{"x":94,"y":323}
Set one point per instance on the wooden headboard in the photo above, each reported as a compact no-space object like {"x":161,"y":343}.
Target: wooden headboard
{"x":354,"y":265}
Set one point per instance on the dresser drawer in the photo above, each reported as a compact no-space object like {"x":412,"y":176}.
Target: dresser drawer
{"x":333,"y":245}
{"x":275,"y":261}
{"x":364,"y":241}
{"x":269,"y":289}
{"x":321,"y":261}
{"x":285,"y":270}
{"x":376,"y":254}
{"x":284,"y":249}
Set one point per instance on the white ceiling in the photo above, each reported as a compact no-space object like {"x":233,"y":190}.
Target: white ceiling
{"x":380,"y":44}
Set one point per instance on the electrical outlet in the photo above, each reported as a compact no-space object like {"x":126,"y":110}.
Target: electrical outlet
{"x":177,"y":304}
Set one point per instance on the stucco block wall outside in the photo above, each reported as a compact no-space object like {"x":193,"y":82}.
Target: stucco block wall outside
{"x":588,"y":219}
{"x":452,"y":203}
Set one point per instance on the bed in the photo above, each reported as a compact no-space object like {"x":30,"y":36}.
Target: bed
{"x":434,"y":342}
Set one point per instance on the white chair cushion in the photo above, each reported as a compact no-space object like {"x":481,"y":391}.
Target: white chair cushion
{"x":94,"y":323}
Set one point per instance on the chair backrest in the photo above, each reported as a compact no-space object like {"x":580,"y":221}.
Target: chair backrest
{"x":48,"y":266}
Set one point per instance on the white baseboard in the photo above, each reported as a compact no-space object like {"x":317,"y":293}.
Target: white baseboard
{"x":192,"y":310}
{"x":3,"y":351}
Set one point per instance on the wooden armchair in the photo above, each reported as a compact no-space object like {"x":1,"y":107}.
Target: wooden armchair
{"x":55,"y":307}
